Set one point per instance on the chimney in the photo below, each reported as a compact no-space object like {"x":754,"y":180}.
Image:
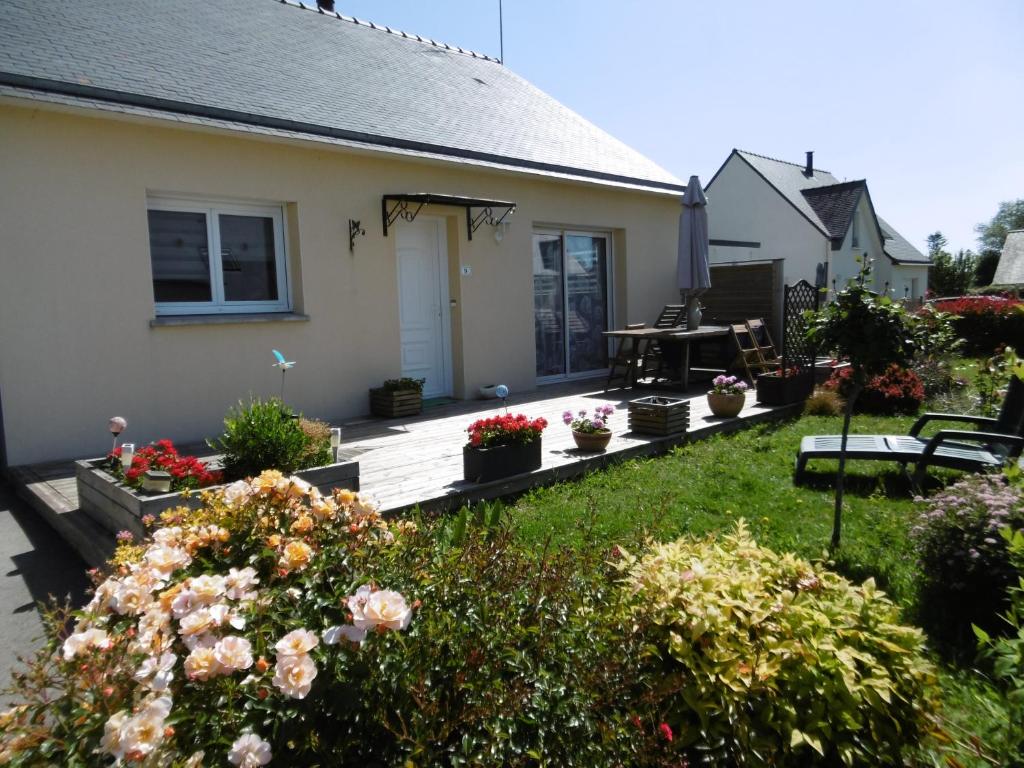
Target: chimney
{"x":325,"y":5}
{"x":809,"y":169}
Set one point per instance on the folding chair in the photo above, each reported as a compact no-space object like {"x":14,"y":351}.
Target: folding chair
{"x":760,"y":336}
{"x":749,"y":352}
{"x":672,"y":316}
{"x":626,"y":359}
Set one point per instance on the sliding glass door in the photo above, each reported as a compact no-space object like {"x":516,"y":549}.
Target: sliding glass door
{"x":571,"y":302}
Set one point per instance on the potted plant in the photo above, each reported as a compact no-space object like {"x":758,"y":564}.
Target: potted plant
{"x":591,"y":433}
{"x":784,"y":386}
{"x":397,"y":397}
{"x":727,"y":396}
{"x":502,"y":446}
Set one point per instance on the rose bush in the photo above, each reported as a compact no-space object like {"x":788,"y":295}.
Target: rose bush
{"x":985,"y":322}
{"x":896,"y":390}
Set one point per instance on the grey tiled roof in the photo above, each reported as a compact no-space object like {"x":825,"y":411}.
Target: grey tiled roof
{"x":898,"y":248}
{"x":276,"y":65}
{"x":1011,"y":260}
{"x":835,"y":205}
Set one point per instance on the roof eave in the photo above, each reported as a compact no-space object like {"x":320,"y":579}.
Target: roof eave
{"x":231,"y":116}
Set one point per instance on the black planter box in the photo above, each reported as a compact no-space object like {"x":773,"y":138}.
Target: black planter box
{"x":659,"y":415}
{"x":481,"y":465}
{"x":783,"y":390}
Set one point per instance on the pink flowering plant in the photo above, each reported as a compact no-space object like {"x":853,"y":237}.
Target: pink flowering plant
{"x":583,"y":421}
{"x":209,"y":642}
{"x":728,"y":385}
{"x":965,"y":563}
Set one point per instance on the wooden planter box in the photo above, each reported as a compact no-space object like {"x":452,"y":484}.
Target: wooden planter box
{"x":394,"y":403}
{"x":659,"y":415}
{"x":119,"y":508}
{"x":783,"y":390}
{"x":481,"y":465}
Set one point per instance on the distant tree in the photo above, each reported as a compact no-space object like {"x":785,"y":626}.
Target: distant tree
{"x":937,"y":243}
{"x":949,"y":275}
{"x":992,"y":235}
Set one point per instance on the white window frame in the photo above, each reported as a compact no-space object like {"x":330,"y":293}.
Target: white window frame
{"x":212,"y":209}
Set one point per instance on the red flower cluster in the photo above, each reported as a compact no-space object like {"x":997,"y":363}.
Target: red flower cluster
{"x":505,"y":430}
{"x":977,"y":305}
{"x":787,"y":373}
{"x":897,"y":390}
{"x":187,"y":472}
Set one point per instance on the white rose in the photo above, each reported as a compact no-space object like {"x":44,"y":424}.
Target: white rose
{"x":111,"y":741}
{"x":239,"y":584}
{"x":249,"y":751}
{"x":79,"y":642}
{"x":334,"y":635}
{"x":237,"y":493}
{"x":383,"y":608}
{"x":144,"y":732}
{"x":293,"y":675}
{"x":208,"y":588}
{"x":166,"y":560}
{"x":157,"y":670}
{"x":234,"y":652}
{"x":296,"y":643}
{"x":168,"y":537}
{"x":202,"y":664}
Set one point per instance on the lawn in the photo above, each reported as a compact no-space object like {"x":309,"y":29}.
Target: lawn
{"x":706,"y":486}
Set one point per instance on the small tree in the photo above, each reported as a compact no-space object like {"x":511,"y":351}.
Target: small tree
{"x":870,"y":331}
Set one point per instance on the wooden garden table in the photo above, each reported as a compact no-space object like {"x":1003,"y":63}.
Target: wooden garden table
{"x":638,"y":336}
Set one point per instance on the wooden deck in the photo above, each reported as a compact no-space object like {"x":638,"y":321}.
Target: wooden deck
{"x":418,"y":461}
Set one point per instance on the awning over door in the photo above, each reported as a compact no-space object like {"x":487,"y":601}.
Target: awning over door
{"x":478,"y":211}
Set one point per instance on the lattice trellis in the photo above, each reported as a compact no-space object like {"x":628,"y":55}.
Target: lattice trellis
{"x":796,"y":350}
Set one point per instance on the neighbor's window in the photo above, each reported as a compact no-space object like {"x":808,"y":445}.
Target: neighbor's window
{"x":855,"y":237}
{"x":246,"y":273}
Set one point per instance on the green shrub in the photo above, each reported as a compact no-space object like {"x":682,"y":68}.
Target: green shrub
{"x":1007,"y":654}
{"x":985,"y":322}
{"x":764,"y":659}
{"x":267,"y":435}
{"x":964,"y":563}
{"x":404,"y":384}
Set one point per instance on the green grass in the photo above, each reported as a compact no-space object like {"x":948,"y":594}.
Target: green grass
{"x":706,"y":486}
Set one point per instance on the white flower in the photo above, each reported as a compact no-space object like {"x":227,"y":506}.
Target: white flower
{"x":334,"y":635}
{"x":299,"y":487}
{"x":111,"y":741}
{"x":239,"y":583}
{"x":296,"y":643}
{"x":237,"y":493}
{"x":165,"y":560}
{"x":208,"y":588}
{"x":130,"y":596}
{"x":198,"y":622}
{"x":167,"y":537}
{"x":202,"y":664}
{"x":144,"y":732}
{"x":293,"y":675}
{"x":80,"y":642}
{"x":383,"y":608}
{"x":234,"y":653}
{"x":157,"y":670}
{"x":249,"y":751}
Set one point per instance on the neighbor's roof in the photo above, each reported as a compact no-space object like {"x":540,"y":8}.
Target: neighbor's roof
{"x":824,"y":201}
{"x":284,"y":66}
{"x":1011,"y":260}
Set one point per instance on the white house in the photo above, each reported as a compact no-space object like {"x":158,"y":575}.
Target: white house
{"x":773,"y":223}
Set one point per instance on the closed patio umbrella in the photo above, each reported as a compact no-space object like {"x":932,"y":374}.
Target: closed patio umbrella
{"x":693,"y":273}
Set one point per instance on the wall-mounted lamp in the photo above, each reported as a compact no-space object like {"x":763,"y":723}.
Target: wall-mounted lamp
{"x":354,"y":230}
{"x":499,"y":231}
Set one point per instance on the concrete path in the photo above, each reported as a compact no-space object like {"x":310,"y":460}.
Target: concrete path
{"x":34,"y":563}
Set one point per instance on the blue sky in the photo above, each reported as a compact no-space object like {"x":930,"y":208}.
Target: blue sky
{"x":923,"y":99}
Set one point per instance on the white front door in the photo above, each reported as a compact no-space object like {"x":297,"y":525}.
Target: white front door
{"x":424,"y":314}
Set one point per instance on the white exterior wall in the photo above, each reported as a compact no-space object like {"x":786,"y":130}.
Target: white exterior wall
{"x":742,"y":206}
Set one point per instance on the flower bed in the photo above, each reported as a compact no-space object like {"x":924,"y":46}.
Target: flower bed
{"x":985,"y":322}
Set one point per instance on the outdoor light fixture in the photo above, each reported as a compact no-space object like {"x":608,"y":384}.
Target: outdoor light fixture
{"x":127,"y":454}
{"x":355,"y":229}
{"x":157,"y":481}
{"x":116,"y":426}
{"x":335,"y":441}
{"x":499,"y":231}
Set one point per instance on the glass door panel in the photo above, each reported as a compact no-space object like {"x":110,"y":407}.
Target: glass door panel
{"x":548,"y":304}
{"x":586,"y":278}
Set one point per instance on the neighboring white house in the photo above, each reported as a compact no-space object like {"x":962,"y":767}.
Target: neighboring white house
{"x":1010,"y":270}
{"x":773,"y":223}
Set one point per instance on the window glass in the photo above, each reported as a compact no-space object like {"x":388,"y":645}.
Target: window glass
{"x":180,"y":254}
{"x":248,"y":259}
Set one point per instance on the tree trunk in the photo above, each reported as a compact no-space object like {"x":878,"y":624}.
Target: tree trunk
{"x":837,"y":516}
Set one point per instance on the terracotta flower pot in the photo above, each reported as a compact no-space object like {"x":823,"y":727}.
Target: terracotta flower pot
{"x":592,"y":441}
{"x":724,"y":405}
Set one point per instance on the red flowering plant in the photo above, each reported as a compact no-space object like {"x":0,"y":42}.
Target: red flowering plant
{"x":187,"y":472}
{"x":895,"y":390}
{"x":984,"y":322}
{"x":509,"y":429}
{"x":789,"y":372}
